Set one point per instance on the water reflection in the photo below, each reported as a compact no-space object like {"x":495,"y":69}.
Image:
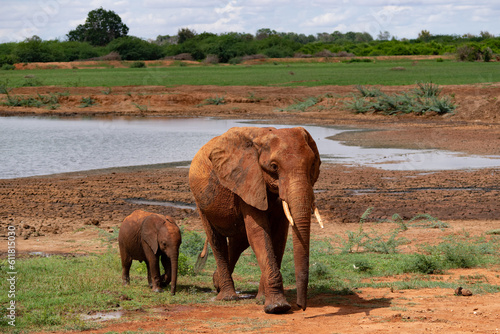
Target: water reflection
{"x":41,"y":146}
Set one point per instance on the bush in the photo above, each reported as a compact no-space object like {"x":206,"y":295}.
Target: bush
{"x":138,"y":64}
{"x":133,"y":48}
{"x":425,"y":264}
{"x":8,"y":59}
{"x":468,"y":52}
{"x":211,"y":59}
{"x":7,"y":67}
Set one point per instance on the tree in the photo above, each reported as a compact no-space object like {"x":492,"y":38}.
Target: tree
{"x":101,"y":27}
{"x":184,"y":34}
{"x":424,"y":36}
{"x":383,"y":36}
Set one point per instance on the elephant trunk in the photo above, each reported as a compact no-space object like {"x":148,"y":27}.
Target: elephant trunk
{"x":300,"y":202}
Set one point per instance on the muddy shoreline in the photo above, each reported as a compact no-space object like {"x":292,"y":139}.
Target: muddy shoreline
{"x":61,"y":203}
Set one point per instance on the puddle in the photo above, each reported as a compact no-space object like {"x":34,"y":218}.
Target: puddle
{"x":102,"y":316}
{"x":177,"y":205}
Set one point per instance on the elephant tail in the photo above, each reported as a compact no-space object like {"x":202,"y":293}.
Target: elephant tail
{"x":202,"y":259}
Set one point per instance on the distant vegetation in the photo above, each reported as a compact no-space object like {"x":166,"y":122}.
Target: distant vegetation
{"x":233,"y":47}
{"x":274,"y":73}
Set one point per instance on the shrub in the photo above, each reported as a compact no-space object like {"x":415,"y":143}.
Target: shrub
{"x":487,"y":54}
{"x":7,"y":67}
{"x":423,"y":99}
{"x":181,"y":56}
{"x":138,"y":64}
{"x":211,"y":59}
{"x":235,"y":60}
{"x":467,"y":52}
{"x":133,"y":48}
{"x":425,"y":264}
{"x":427,"y":89}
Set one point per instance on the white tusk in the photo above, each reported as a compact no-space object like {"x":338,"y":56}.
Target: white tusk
{"x":288,"y":215}
{"x":317,"y":215}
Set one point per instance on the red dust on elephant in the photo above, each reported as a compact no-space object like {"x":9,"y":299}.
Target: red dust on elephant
{"x":146,"y":236}
{"x":249,"y":184}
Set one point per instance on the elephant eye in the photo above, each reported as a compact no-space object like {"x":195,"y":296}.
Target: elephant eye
{"x":274,"y":167}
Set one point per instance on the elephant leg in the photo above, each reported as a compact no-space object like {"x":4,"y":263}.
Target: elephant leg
{"x":236,"y":246}
{"x":126,"y":264}
{"x":154,"y":270}
{"x":222,"y":277}
{"x":167,"y":277}
{"x":150,"y":283}
{"x":261,"y":241}
{"x":279,"y":234}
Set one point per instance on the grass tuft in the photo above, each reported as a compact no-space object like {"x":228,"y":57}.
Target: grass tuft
{"x":425,"y":98}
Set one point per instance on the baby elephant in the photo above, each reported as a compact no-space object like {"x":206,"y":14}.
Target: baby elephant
{"x":144,"y":236}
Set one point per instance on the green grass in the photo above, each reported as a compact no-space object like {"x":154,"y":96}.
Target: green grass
{"x":305,"y":74}
{"x":53,"y":292}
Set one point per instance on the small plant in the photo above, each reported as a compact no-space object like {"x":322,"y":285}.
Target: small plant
{"x":359,"y":105}
{"x":302,"y":105}
{"x":50,"y":101}
{"x":31,"y":81}
{"x":253,"y":98}
{"x":87,"y":102}
{"x":217,"y":100}
{"x":142,"y":108}
{"x":367,"y":92}
{"x":427,"y":89}
{"x":138,"y":64}
{"x":5,"y":87}
{"x":107,"y":91}
{"x":362,"y":265}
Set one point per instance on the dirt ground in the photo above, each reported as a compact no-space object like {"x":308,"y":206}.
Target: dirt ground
{"x":64,"y":213}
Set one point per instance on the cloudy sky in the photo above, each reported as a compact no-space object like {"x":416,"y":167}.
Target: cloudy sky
{"x":53,"y":19}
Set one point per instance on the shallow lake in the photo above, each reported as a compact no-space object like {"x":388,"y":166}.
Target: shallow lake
{"x":32,"y":146}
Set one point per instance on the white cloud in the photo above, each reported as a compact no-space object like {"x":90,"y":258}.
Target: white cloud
{"x":149,"y":18}
{"x":324,"y":20}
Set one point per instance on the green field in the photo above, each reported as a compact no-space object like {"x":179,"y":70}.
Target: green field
{"x":279,"y":74}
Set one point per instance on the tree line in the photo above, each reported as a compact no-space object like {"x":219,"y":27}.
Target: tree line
{"x":104,"y":33}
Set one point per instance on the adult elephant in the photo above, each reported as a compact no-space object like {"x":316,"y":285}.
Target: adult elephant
{"x":249,"y":183}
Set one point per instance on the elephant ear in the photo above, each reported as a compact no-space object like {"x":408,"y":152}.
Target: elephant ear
{"x":149,"y":231}
{"x":317,"y":162}
{"x":235,"y":162}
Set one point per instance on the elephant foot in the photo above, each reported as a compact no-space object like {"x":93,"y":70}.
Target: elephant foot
{"x":277,"y":306}
{"x":227,"y":296}
{"x":158,"y":290}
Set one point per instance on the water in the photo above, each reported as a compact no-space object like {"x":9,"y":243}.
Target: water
{"x":32,"y":146}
